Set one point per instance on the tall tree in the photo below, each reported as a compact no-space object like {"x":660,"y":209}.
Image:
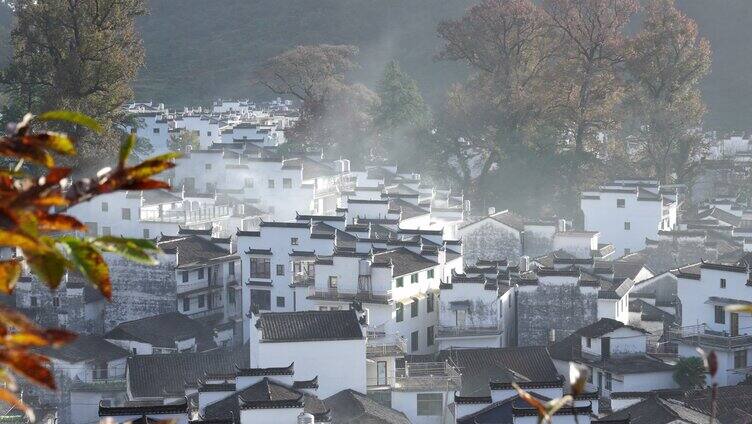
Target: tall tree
{"x":509,"y":45}
{"x":666,"y":62}
{"x":593,"y":35}
{"x":399,"y":115}
{"x":80,"y":55}
{"x":316,"y":75}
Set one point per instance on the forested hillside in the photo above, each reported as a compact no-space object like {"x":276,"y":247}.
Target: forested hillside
{"x":226,"y":39}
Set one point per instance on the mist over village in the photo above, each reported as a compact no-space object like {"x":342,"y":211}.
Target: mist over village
{"x":375,"y":211}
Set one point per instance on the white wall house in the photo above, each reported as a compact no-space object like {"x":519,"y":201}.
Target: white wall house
{"x":615,"y":355}
{"x":628,"y":211}
{"x":704,"y":290}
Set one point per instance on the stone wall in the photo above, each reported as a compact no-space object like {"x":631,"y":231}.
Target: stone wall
{"x":140,"y":291}
{"x":563,"y":308}
{"x":492,"y":241}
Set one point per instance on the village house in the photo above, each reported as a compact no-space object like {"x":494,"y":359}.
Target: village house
{"x":615,"y":355}
{"x":164,"y":333}
{"x":626,"y":212}
{"x":704,"y":290}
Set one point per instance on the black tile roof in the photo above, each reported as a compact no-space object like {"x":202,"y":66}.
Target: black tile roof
{"x":164,"y":330}
{"x":655,"y":410}
{"x":404,"y":261}
{"x":604,"y":326}
{"x":151,"y":409}
{"x":193,"y":250}
{"x":480,"y":366}
{"x":351,"y":407}
{"x":86,"y":348}
{"x":266,"y":394}
{"x":310,"y":325}
{"x":176,"y":369}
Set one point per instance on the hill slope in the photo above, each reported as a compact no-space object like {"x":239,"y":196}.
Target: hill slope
{"x":199,"y":50}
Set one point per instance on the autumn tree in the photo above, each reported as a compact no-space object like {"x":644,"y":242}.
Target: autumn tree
{"x":587,"y":74}
{"x":399,"y":115}
{"x":334,"y":113}
{"x":508,"y":46}
{"x":666,"y":62}
{"x":35,"y":225}
{"x":78,"y":55}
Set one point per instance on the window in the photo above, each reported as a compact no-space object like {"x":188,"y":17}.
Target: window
{"x":332,"y":281}
{"x":627,"y":251}
{"x":429,"y":303}
{"x":231,"y":268}
{"x":429,"y":273}
{"x":200,"y":273}
{"x":414,"y":308}
{"x":271,"y":183}
{"x":429,"y":336}
{"x":208,"y":133}
{"x":414,"y":341}
{"x":720,"y":315}
{"x":201,"y":301}
{"x":155,"y":130}
{"x":294,"y":241}
{"x":126,"y":213}
{"x":207,"y":166}
{"x":400,"y":312}
{"x":146,"y":233}
{"x":56,"y":302}
{"x":608,"y":381}
{"x":588,"y":342}
{"x":280,"y":302}
{"x":590,"y":375}
{"x":286,"y":183}
{"x":248,"y":182}
{"x":33,"y":301}
{"x":231,"y":297}
{"x":414,"y":278}
{"x":260,"y":268}
{"x":186,"y":304}
{"x":400,"y":282}
{"x":185,"y":276}
{"x":723,"y":283}
{"x":627,"y":225}
{"x":106,"y":231}
{"x":105,"y":207}
{"x":261,"y":299}
{"x":620,"y":203}
{"x":740,"y":359}
{"x":280,"y":270}
{"x":430,"y":404}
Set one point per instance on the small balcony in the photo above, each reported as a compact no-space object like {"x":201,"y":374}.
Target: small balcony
{"x":114,"y":384}
{"x":303,"y":279}
{"x":450,"y":332}
{"x":420,"y":376}
{"x":382,"y":345}
{"x":702,"y":336}
{"x":338,"y":295}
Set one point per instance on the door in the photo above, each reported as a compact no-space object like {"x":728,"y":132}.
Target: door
{"x":381,"y":373}
{"x":600,"y":381}
{"x":605,"y":347}
{"x":734,"y":324}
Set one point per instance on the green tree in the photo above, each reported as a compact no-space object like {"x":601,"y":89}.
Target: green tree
{"x":181,"y":139}
{"x":399,"y":115}
{"x":666,"y":62}
{"x":690,"y":373}
{"x":78,"y":55}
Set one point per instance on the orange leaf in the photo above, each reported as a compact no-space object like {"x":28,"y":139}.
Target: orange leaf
{"x":56,"y":174}
{"x":28,"y":152}
{"x":12,"y":400}
{"x":56,"y":141}
{"x":25,"y":340}
{"x":58,"y":336}
{"x":146,"y":185}
{"x":10,"y":271}
{"x":13,"y":318}
{"x":59,"y":222}
{"x":25,"y":242}
{"x":51,"y":200}
{"x":50,"y":266}
{"x":29,"y":364}
{"x":148,"y":168}
{"x":91,"y":263}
